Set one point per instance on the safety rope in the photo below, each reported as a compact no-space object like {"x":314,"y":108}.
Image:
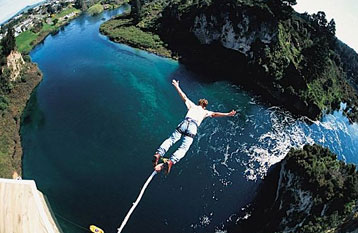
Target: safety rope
{"x":75,"y":224}
{"x":136,"y":202}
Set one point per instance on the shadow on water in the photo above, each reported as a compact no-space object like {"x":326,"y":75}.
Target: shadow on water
{"x":33,"y":115}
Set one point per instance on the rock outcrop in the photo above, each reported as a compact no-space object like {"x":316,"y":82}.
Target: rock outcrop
{"x":15,"y":63}
{"x":239,"y":36}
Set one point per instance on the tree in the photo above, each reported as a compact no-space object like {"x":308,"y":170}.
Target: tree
{"x":136,"y":7}
{"x":331,"y":27}
{"x":8,"y":42}
{"x":282,"y":8}
{"x":84,"y":6}
{"x":50,"y":9}
{"x":78,"y":4}
{"x":290,"y":2}
{"x":4,"y":103}
{"x":5,"y":84}
{"x":320,"y":19}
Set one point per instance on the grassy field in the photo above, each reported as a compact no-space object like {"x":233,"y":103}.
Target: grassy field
{"x":66,"y":12}
{"x":123,"y":31}
{"x":24,"y":41}
{"x":95,"y":9}
{"x":28,"y":39}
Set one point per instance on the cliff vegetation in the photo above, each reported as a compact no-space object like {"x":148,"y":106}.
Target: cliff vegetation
{"x":18,"y":78}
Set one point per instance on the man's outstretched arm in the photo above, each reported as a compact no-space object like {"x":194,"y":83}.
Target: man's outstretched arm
{"x":179,"y":90}
{"x":221,"y":114}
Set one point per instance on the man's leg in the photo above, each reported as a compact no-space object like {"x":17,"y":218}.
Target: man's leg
{"x":178,"y":155}
{"x":168,"y":143}
{"x":181,"y":151}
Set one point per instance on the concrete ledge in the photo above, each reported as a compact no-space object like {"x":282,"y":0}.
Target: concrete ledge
{"x":23,"y":208}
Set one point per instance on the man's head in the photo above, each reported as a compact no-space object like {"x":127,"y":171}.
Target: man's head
{"x":203,"y":103}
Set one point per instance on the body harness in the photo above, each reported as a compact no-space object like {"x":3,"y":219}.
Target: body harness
{"x":186,"y":131}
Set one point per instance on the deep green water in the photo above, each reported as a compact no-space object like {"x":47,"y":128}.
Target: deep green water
{"x":102,"y":110}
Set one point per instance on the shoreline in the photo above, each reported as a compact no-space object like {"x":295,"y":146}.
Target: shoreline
{"x":19,"y":98}
{"x":10,"y":121}
{"x":152,"y":51}
{"x":128,"y":34}
{"x":41,"y":36}
{"x":10,"y":136}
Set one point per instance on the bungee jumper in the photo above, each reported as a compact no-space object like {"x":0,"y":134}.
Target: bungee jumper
{"x":187,"y":129}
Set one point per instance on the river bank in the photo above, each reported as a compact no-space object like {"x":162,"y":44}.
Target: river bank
{"x":30,"y":76}
{"x":27,"y":40}
{"x":122,"y":29}
{"x":10,"y":121}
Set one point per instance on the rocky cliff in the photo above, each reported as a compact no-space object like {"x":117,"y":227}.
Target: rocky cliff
{"x":15,"y":64}
{"x":313,"y":192}
{"x":239,"y":36}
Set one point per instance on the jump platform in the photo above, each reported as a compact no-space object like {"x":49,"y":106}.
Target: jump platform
{"x":23,"y":208}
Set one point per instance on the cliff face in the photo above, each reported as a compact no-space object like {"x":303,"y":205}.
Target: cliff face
{"x":239,"y":36}
{"x":290,"y":188}
{"x":15,"y":63}
{"x":315,"y":193}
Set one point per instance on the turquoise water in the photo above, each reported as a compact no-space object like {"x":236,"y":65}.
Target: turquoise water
{"x":102,"y":110}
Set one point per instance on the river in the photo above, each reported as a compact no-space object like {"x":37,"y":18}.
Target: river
{"x":101,"y":111}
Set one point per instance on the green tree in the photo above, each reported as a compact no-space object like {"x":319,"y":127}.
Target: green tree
{"x":5,"y":84}
{"x":4,"y":103}
{"x":331,"y":27}
{"x":8,"y":42}
{"x":78,"y":4}
{"x":50,"y":9}
{"x":136,"y":7}
{"x":282,"y":8}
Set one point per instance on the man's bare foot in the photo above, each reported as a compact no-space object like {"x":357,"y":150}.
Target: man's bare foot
{"x":159,"y":167}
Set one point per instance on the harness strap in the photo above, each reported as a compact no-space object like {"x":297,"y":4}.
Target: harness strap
{"x":186,"y":133}
{"x":192,"y":120}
